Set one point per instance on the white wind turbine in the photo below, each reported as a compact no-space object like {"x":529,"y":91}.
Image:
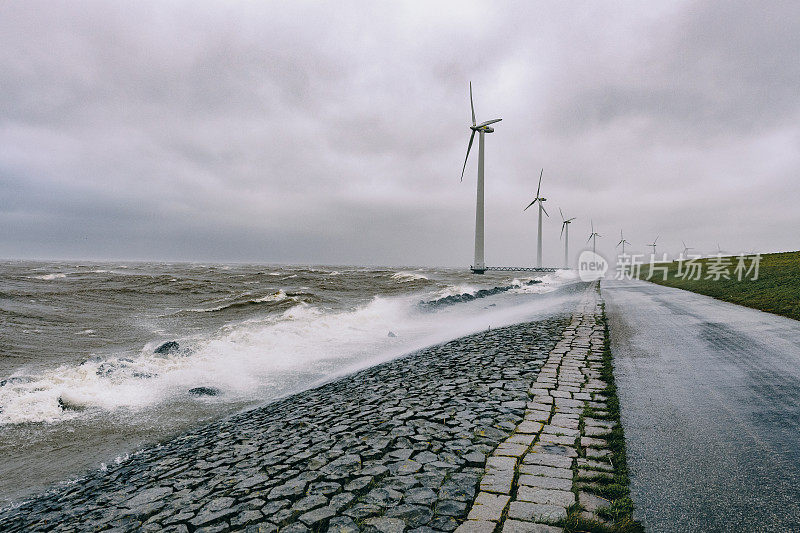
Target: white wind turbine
{"x":685,"y":252}
{"x":622,"y":241}
{"x":541,"y":201}
{"x":593,"y":237}
{"x":653,"y":244}
{"x":479,"y":266}
{"x":565,"y":233}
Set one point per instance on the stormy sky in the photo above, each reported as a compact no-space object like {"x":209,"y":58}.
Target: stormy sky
{"x":310,"y":132}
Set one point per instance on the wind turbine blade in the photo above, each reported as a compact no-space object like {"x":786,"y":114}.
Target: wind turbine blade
{"x":562,"y":214}
{"x":590,"y":237}
{"x":469,"y":147}
{"x":571,"y":219}
{"x":540,"y":183}
{"x":562,"y":229}
{"x":592,"y":226}
{"x":482,"y":124}
{"x":530,"y":204}
{"x":684,"y":245}
{"x":620,"y":242}
{"x":471,"y":105}
{"x":655,"y":241}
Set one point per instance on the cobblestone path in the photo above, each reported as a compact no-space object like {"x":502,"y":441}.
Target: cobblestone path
{"x":398,"y":447}
{"x":530,"y":480}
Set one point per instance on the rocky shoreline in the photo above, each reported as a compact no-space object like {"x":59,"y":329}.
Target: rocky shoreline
{"x":398,"y":447}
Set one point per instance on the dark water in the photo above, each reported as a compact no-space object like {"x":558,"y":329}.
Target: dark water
{"x":80,"y":384}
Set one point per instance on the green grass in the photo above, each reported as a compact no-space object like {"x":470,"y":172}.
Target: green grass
{"x":777,"y":289}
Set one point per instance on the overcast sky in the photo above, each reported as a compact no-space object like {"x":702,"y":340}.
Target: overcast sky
{"x":335,"y":132}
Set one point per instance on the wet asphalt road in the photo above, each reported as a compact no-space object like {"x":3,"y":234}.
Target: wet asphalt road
{"x":710,"y":400}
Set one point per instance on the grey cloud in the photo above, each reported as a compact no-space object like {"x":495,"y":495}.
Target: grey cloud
{"x":300,"y":132}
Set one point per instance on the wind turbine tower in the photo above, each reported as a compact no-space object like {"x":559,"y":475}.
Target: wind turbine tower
{"x":478,"y":266}
{"x":593,"y":237}
{"x":540,"y":201}
{"x":622,"y":241}
{"x":565,"y":233}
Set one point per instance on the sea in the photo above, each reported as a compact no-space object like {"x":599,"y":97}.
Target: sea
{"x":100,"y":360}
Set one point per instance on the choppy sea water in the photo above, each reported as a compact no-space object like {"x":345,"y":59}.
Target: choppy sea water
{"x":81,"y":383}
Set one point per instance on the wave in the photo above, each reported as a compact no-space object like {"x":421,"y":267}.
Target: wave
{"x":455,"y":290}
{"x":50,"y":277}
{"x":279,"y":296}
{"x":404,"y":276}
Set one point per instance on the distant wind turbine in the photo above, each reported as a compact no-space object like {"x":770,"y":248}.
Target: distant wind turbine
{"x":686,"y":249}
{"x":565,"y":233}
{"x":479,"y":266}
{"x":593,"y":237}
{"x":622,"y":241}
{"x":653,"y":244}
{"x":541,"y":201}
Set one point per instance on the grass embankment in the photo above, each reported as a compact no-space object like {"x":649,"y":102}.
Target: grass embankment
{"x":618,"y":515}
{"x":777,"y":289}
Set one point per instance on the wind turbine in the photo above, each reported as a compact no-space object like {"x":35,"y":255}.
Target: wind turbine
{"x":622,"y":241}
{"x":653,"y":244}
{"x":541,"y":201}
{"x":565,"y":233}
{"x":686,"y":249}
{"x":478,"y":267}
{"x":593,"y":237}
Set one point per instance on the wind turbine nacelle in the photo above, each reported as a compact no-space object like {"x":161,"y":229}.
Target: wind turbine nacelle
{"x":484,"y":129}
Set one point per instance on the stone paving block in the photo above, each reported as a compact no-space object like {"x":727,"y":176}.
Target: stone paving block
{"x":595,"y":453}
{"x":496,"y":463}
{"x":596,"y":431}
{"x":555,"y":449}
{"x":557,"y":439}
{"x":594,"y":443}
{"x":476,"y":526}
{"x":536,"y":512}
{"x":547,"y":459}
{"x":489,"y":507}
{"x":537,"y":416}
{"x":549,"y":471}
{"x":528,"y":426}
{"x":566,"y":403}
{"x":510,"y":449}
{"x":562,"y":498}
{"x":522,"y":438}
{"x":497,"y":483}
{"x":538,"y":406}
{"x":518,"y":526}
{"x":591,"y":463}
{"x":592,"y":502}
{"x":557,"y":430}
{"x":565,"y":420}
{"x":584,"y":472}
{"x":546,"y":398}
{"x":545,"y":482}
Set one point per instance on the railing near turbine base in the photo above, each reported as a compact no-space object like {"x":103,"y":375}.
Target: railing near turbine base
{"x":515,"y":269}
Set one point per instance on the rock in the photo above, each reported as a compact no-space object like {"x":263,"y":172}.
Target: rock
{"x":204,"y":391}
{"x":342,"y":524}
{"x":412,"y":515}
{"x":168,"y":348}
{"x":385,"y":525}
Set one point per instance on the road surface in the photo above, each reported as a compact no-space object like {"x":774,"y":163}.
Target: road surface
{"x":710,"y":402}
